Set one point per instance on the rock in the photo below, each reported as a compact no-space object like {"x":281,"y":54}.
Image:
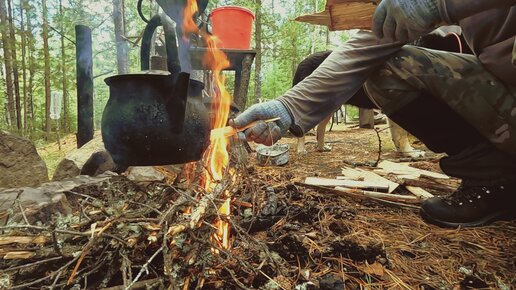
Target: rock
{"x":20,"y":164}
{"x":40,"y":203}
{"x":91,"y":159}
{"x":144,"y":174}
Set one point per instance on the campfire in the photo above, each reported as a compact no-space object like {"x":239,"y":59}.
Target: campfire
{"x":217,"y":156}
{"x":222,"y":224}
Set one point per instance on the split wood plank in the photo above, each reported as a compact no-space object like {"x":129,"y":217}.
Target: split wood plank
{"x":429,"y":184}
{"x":19,"y":255}
{"x":39,"y":240}
{"x":369,"y":176}
{"x":346,"y":183}
{"x":419,"y":192}
{"x":392,"y":166}
{"x":398,"y":173}
{"x":381,"y":195}
{"x":343,"y":15}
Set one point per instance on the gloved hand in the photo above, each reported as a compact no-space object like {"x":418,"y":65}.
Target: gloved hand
{"x":264,"y":133}
{"x":405,"y":20}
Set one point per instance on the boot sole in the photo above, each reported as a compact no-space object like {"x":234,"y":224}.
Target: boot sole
{"x":491,"y":218}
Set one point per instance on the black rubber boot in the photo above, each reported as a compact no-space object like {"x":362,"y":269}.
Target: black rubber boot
{"x":472,"y":205}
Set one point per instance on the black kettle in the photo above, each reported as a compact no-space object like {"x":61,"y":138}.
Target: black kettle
{"x":155,"y":117}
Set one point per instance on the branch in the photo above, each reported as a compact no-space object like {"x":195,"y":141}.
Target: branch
{"x":64,"y":36}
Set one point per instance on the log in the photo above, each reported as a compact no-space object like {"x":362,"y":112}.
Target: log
{"x":380,"y":195}
{"x":346,"y":183}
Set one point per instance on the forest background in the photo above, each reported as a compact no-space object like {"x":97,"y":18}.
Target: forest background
{"x":37,"y":54}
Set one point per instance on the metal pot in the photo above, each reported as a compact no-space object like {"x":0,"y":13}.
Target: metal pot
{"x":155,"y":117}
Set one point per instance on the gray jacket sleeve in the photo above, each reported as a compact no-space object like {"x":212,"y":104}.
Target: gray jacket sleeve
{"x":336,"y":80}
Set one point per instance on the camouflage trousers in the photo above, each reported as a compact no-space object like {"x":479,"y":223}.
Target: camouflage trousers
{"x":457,"y":83}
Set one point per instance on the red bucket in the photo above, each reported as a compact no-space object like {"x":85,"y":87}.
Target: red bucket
{"x":233,"y":26}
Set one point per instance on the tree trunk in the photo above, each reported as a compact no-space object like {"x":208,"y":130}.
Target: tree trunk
{"x":122,"y":55}
{"x":258,"y":60}
{"x":64,"y":81}
{"x":32,"y":71}
{"x":16,"y":79}
{"x":24,"y":66}
{"x":47,"y":67}
{"x":6,"y":40}
{"x":5,"y":115}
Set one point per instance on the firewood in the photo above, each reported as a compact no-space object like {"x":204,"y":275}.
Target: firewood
{"x":346,"y":183}
{"x":19,"y":255}
{"x":419,"y":192}
{"x":39,"y":240}
{"x":369,"y":176}
{"x":397,"y":167}
{"x":380,"y":195}
{"x":428,"y":184}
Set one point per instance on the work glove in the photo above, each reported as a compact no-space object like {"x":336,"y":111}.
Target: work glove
{"x":264,"y":133}
{"x":405,"y":20}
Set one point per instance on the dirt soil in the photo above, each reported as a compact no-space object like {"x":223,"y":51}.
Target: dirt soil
{"x":381,"y":245}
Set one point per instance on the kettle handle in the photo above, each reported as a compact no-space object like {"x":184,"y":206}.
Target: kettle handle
{"x":170,"y":44}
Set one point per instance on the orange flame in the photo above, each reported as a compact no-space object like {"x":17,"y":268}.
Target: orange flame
{"x":217,"y":156}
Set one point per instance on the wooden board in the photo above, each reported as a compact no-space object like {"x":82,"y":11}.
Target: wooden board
{"x":343,"y":15}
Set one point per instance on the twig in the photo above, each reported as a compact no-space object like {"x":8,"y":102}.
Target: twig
{"x":64,"y":36}
{"x":28,"y":284}
{"x":235,"y":279}
{"x":146,"y":205}
{"x":75,"y":233}
{"x":272,"y":280}
{"x":377,"y":131}
{"x":22,"y":212}
{"x":137,"y":285}
{"x":102,"y":74}
{"x":167,"y":259}
{"x":144,"y":268}
{"x":55,"y":280}
{"x":33,"y":264}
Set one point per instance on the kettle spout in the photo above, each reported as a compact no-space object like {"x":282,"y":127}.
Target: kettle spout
{"x":176,"y":104}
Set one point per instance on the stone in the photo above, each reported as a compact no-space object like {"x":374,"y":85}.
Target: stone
{"x":91,"y":159}
{"x":41,"y":202}
{"x":20,"y":164}
{"x":144,"y":174}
